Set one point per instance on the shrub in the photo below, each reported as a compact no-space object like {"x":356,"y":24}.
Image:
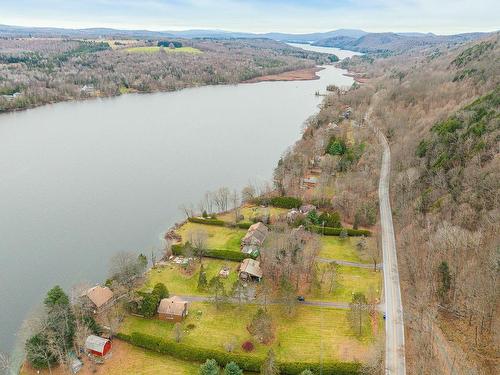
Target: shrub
{"x":191,"y":326}
{"x":331,"y":219}
{"x":327,"y":231}
{"x":247,"y":346}
{"x":177,"y":249}
{"x":285,"y":202}
{"x":211,"y":221}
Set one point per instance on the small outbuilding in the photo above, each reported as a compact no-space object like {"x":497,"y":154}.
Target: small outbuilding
{"x":173,"y":309}
{"x":98,"y":346}
{"x":250,"y":269}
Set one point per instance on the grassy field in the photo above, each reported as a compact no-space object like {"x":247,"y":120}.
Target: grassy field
{"x":299,"y":338}
{"x":127,"y":359}
{"x":249,"y":211}
{"x":178,"y":282}
{"x":218,"y":237}
{"x":333,"y":247}
{"x":350,"y":280}
{"x":155,"y":49}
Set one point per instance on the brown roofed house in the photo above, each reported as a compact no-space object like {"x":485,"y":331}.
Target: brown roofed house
{"x":173,"y":308}
{"x":99,"y":297}
{"x":249,"y":269}
{"x":255,"y":235}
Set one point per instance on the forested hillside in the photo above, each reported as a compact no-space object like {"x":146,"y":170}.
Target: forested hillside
{"x":441,"y":113}
{"x":439,"y":108}
{"x":40,"y":71}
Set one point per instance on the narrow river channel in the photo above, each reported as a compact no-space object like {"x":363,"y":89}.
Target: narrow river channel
{"x":83,"y":180}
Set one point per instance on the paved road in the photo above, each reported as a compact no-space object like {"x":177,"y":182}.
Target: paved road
{"x":347,"y":263}
{"x":333,"y":305}
{"x":394,"y":327}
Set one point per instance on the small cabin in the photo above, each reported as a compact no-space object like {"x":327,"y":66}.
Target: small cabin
{"x":173,"y":309}
{"x":98,"y":346}
{"x":98,"y":298}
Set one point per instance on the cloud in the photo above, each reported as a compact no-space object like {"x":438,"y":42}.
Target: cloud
{"x":445,"y":16}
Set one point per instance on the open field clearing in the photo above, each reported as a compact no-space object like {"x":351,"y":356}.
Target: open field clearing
{"x":350,"y":280}
{"x":156,"y":49}
{"x":301,"y":337}
{"x":180,"y":282}
{"x":218,"y":237}
{"x":333,"y":247}
{"x":127,"y":359}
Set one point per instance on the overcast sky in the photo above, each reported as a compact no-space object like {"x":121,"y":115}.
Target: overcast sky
{"x":294,"y":16}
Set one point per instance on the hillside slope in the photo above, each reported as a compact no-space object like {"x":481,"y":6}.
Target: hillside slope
{"x":441,"y":113}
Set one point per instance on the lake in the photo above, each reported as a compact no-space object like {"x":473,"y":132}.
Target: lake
{"x":83,"y":180}
{"x":341,"y":53}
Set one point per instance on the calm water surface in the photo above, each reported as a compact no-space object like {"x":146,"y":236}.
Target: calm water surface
{"x":83,"y":180}
{"x":341,"y":53}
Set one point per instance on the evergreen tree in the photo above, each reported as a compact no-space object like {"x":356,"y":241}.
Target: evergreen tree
{"x":210,"y":367}
{"x":232,"y":369}
{"x":202,"y":279}
{"x":161,"y":291}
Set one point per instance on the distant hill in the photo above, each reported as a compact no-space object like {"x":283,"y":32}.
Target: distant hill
{"x":394,"y":42}
{"x":351,"y":39}
{"x":20,"y":31}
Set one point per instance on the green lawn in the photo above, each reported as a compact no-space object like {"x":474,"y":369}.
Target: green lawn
{"x":299,"y":338}
{"x":155,"y":49}
{"x":128,"y":359}
{"x":178,"y":282}
{"x":218,"y":237}
{"x":250,"y":211}
{"x":333,"y":247}
{"x":350,"y":280}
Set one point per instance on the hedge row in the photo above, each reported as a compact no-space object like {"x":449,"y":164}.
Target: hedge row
{"x":177,"y":249}
{"x":282,"y":202}
{"x":190,"y":353}
{"x":244,"y":361}
{"x":200,"y":220}
{"x":244,"y":225}
{"x":286,"y":202}
{"x":237,"y":256}
{"x":327,"y":368}
{"x":328,"y":231}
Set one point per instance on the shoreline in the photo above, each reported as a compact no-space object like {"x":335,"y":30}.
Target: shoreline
{"x":356,"y":76}
{"x":305,"y":74}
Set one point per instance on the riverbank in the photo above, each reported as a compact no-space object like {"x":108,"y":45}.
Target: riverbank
{"x":306,"y":74}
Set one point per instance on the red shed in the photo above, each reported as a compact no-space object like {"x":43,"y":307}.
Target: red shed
{"x":97,"y":345}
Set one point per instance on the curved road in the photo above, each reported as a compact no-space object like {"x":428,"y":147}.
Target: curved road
{"x":394,"y":327}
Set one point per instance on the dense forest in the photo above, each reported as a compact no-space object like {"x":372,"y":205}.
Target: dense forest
{"x":51,"y":70}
